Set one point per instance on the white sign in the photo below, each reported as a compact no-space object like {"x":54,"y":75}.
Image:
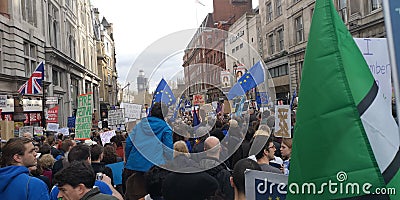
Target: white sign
{"x":51,"y":100}
{"x":106,"y":136}
{"x":38,"y":130}
{"x":115,"y":117}
{"x":9,"y":107}
{"x":64,"y":131}
{"x":132,"y":111}
{"x":375,"y":52}
{"x":283,"y":121}
{"x":52,"y":127}
{"x":32,"y":105}
{"x":25,"y":129}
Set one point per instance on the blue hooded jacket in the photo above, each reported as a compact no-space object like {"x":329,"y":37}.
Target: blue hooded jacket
{"x":15,"y":183}
{"x":149,"y":143}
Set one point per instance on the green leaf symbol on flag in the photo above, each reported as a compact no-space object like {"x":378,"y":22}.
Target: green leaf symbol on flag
{"x":346,"y":143}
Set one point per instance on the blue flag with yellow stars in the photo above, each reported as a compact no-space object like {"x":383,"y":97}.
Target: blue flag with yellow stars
{"x":262,"y":98}
{"x":248,"y":81}
{"x":163,"y":94}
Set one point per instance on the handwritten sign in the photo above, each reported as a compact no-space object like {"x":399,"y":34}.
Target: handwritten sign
{"x":116,"y":117}
{"x":375,"y":52}
{"x":132,"y":111}
{"x":106,"y":136}
{"x":83,"y":123}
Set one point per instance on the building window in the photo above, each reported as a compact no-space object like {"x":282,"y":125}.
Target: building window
{"x":269,"y":12}
{"x":53,"y":25}
{"x":71,"y":42}
{"x":280,"y":40}
{"x":279,"y":71}
{"x":376,"y":4}
{"x":233,"y":50}
{"x":278,"y":4}
{"x":343,"y":10}
{"x":30,"y":57}
{"x":56,"y":77}
{"x":28,"y":8}
{"x":271,"y":44}
{"x":298,"y":26}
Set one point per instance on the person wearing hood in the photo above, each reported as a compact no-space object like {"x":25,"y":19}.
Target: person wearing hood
{"x":15,"y":182}
{"x":150,"y":143}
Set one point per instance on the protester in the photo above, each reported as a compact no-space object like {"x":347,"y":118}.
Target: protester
{"x":216,"y":168}
{"x":82,"y":153}
{"x":286,"y":151}
{"x":76,"y":182}
{"x":265,"y":155}
{"x":96,"y":155}
{"x":15,"y":183}
{"x":193,"y":186}
{"x":149,"y":143}
{"x":237,"y":179}
{"x":66,"y":146}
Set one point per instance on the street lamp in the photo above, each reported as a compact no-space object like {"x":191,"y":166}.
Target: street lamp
{"x":122,"y":91}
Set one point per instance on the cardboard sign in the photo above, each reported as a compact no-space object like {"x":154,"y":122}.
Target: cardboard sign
{"x":115,"y":117}
{"x":38,"y":131}
{"x":52,"y":115}
{"x":283,"y":126}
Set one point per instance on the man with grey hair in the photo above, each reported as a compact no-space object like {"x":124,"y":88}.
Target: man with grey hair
{"x":217,"y":169}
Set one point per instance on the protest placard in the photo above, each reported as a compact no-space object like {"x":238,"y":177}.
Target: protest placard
{"x":83,"y":122}
{"x":106,"y":136}
{"x":283,"y":121}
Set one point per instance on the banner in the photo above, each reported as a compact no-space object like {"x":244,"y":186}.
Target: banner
{"x":83,"y":123}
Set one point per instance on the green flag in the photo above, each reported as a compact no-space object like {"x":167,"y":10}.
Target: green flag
{"x":336,"y":139}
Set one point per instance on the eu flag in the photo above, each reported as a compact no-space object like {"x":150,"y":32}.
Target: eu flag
{"x":248,"y":81}
{"x":163,"y":94}
{"x":262,"y":98}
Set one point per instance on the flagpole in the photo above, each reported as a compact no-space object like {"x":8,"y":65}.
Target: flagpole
{"x":43,"y":99}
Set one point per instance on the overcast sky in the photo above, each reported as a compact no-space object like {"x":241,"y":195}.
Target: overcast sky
{"x":143,"y":26}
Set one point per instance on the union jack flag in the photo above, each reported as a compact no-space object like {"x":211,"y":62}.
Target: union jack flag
{"x":34,"y":84}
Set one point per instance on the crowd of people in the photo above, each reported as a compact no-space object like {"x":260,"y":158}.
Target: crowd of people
{"x":161,"y":159}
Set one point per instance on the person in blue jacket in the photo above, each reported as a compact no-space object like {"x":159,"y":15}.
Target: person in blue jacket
{"x":15,"y":182}
{"x":150,"y":143}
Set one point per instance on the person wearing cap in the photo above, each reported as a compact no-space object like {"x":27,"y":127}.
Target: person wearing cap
{"x":17,"y":155}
